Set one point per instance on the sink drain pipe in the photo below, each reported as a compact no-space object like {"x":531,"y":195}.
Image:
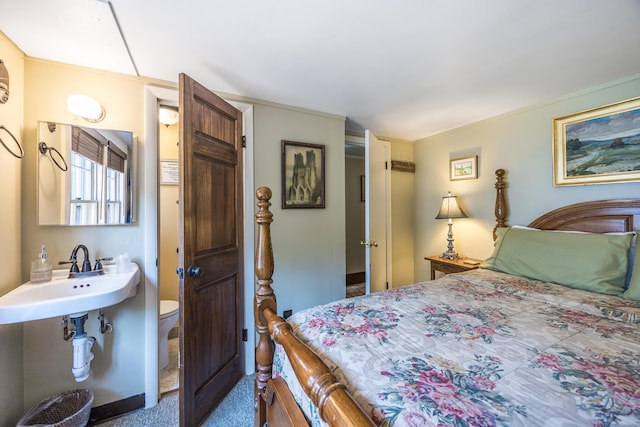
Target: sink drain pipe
{"x":82,"y":344}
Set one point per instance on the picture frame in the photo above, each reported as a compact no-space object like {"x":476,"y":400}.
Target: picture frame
{"x":598,"y":146}
{"x":303,"y":175}
{"x":169,"y":172}
{"x":463,"y":168}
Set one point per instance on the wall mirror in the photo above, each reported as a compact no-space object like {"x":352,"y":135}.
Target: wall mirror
{"x":85,"y":175}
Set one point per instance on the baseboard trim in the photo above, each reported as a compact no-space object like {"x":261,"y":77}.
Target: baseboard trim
{"x":105,"y":412}
{"x":353,"y":278}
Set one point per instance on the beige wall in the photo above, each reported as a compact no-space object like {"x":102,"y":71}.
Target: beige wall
{"x":520,"y":142}
{"x":402,"y":212}
{"x":11,"y":344}
{"x":118,"y":367}
{"x":169,"y":210}
{"x":309,"y":244}
{"x":354,"y":215}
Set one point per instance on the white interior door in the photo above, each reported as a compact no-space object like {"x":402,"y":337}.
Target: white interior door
{"x":377,"y":241}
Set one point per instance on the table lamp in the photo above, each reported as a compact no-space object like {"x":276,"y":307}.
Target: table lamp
{"x":450,"y":210}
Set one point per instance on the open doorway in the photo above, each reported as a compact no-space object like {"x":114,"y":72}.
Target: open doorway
{"x":354,"y":215}
{"x":368,"y":212}
{"x":168,"y":284}
{"x":154,"y":97}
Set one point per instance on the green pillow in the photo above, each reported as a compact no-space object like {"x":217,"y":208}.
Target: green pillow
{"x":633,"y":291}
{"x":589,"y":261}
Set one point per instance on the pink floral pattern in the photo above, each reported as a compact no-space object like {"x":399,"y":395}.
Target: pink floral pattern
{"x":348,"y":321}
{"x":466,"y":323}
{"x":606,"y":385}
{"x":453,"y":396}
{"x":480,"y":348}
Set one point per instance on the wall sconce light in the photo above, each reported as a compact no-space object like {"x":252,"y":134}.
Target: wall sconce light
{"x":86,"y":107}
{"x":450,"y":210}
{"x":168,"y":116}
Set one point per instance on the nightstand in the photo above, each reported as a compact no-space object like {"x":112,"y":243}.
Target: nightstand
{"x":447,"y":266}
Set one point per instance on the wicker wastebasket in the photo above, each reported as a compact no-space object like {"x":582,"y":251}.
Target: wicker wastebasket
{"x":67,"y":409}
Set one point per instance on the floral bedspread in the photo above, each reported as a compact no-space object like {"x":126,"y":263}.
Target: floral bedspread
{"x":479,"y":348}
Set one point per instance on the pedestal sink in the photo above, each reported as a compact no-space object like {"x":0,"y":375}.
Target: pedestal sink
{"x":64,"y":296}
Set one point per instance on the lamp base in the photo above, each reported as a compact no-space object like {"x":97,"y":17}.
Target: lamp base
{"x":450,"y":255}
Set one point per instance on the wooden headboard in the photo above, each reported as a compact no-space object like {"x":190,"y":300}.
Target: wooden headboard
{"x":600,"y":216}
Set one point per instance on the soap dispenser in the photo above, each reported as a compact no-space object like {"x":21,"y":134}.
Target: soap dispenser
{"x":41,"y":269}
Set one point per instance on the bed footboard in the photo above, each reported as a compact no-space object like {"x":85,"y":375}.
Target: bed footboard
{"x":274,"y":403}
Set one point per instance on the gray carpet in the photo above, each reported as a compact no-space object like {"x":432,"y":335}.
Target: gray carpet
{"x":236,"y":410}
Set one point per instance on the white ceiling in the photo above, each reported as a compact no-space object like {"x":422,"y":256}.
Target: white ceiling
{"x":404,"y":69}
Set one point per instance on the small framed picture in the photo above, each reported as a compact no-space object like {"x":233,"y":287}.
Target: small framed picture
{"x":302,"y":175}
{"x":464,"y":168}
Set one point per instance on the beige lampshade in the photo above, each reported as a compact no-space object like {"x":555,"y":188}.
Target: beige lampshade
{"x":450,"y":208}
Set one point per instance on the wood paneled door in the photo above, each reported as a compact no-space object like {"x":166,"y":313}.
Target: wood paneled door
{"x":211,"y":250}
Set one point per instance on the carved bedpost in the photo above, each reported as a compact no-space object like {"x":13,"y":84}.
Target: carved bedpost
{"x":501,"y":204}
{"x":264,"y":298}
{"x":335,"y":405}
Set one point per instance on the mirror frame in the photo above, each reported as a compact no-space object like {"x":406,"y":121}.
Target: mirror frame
{"x":53,"y":170}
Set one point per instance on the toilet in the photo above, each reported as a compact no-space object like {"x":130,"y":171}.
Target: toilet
{"x":168,"y":318}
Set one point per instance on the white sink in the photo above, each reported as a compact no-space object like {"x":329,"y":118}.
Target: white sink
{"x":62,"y":296}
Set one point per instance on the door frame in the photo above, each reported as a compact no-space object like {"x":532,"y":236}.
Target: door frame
{"x":358,"y":139}
{"x":149,"y":198}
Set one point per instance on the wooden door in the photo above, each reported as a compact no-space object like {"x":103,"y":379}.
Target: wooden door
{"x":377,"y":242}
{"x":211,"y":250}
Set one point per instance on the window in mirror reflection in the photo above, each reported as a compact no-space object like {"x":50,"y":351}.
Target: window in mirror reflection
{"x":84,"y":189}
{"x":97,"y":168}
{"x":98,"y":183}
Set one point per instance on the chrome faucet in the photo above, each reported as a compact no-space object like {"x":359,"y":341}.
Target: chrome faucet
{"x":74,"y":271}
{"x":73,"y":260}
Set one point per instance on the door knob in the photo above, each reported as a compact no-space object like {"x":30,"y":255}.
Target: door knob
{"x":194,"y":271}
{"x":369,"y":243}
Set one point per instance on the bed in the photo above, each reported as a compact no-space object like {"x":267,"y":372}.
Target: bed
{"x":546,"y":332}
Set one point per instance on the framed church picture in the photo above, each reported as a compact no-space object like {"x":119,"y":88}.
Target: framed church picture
{"x":303,"y":175}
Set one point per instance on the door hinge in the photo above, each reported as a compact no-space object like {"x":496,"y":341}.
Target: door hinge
{"x":386,"y":165}
{"x":244,"y":141}
{"x":245,"y":335}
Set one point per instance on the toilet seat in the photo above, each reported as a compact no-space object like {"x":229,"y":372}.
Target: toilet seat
{"x":167,"y":308}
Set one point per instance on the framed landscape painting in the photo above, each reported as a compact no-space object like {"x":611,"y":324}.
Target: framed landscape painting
{"x":598,"y":146}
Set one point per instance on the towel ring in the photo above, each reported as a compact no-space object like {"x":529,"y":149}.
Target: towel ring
{"x":15,"y":140}
{"x":43,"y":149}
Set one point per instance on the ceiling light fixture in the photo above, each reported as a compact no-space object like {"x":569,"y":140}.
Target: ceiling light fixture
{"x":86,"y":107}
{"x":168,"y":116}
